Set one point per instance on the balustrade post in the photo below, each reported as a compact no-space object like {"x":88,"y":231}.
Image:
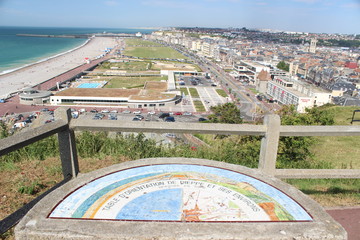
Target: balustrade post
{"x":67,"y":145}
{"x":269,"y":144}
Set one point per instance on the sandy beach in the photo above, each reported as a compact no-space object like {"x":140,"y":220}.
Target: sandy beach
{"x":40,"y":72}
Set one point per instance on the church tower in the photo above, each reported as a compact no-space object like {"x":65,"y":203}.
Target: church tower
{"x":312,"y":47}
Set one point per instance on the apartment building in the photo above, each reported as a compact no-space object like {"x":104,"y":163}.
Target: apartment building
{"x":249,"y":71}
{"x":293,"y":92}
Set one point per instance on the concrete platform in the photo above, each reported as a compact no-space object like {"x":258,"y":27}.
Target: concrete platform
{"x":177,"y":198}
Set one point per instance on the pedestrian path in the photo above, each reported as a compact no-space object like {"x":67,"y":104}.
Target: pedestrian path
{"x":349,"y":218}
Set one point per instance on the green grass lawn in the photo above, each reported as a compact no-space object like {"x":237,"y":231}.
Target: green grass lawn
{"x":199,"y":106}
{"x":130,"y":82}
{"x":153,"y":52}
{"x":221,"y":92}
{"x":184,"y":90}
{"x":194,"y":93}
{"x":254,"y":90}
{"x":135,"y":42}
{"x":128,"y":66}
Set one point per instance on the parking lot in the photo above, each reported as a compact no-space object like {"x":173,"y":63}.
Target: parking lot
{"x":206,"y":89}
{"x":127,"y":115}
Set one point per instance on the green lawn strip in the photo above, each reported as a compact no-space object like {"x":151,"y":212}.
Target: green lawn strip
{"x":184,"y":90}
{"x":221,"y":92}
{"x":153,"y":52}
{"x":194,"y":93}
{"x":130,"y":82}
{"x":253,"y":90}
{"x":131,"y":66}
{"x":199,"y":106}
{"x":137,"y":42}
{"x":197,"y":68}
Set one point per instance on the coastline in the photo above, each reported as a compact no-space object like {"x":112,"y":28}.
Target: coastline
{"x":38,"y":72}
{"x":43,"y":60}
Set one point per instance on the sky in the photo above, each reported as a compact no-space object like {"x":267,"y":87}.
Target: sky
{"x":316,"y":16}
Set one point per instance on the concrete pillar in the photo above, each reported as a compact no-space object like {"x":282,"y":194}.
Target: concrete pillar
{"x":269,"y":144}
{"x":67,"y":146}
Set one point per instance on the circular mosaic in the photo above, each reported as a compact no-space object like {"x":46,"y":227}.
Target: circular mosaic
{"x":179,"y":192}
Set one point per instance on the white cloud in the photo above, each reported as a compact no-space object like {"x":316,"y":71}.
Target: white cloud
{"x":351,"y":5}
{"x":262,"y":3}
{"x":306,"y":1}
{"x":111,"y":3}
{"x":168,"y":4}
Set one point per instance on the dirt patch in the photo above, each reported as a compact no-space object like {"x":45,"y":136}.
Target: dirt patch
{"x":173,"y":66}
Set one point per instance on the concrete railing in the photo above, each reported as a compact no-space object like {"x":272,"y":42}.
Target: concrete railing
{"x":270,"y":131}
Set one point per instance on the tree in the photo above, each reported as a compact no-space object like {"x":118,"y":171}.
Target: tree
{"x":282,"y":65}
{"x":225,"y":113}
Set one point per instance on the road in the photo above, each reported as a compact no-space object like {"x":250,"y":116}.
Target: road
{"x":249,"y":105}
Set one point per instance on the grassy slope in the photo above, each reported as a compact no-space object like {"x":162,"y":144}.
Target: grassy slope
{"x":342,"y":152}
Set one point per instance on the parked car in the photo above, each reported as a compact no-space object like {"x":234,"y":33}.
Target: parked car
{"x":151,"y":112}
{"x":126,"y":111}
{"x":99,"y":115}
{"x":164,"y":115}
{"x":139,"y":116}
{"x":169,"y":119}
{"x":114,"y":111}
{"x":202,"y":119}
{"x":105,"y":111}
{"x":136,"y":119}
{"x":187,"y":113}
{"x":137,"y":112}
{"x":93,"y":111}
{"x":178,"y":113}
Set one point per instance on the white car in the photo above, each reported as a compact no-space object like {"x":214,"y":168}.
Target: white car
{"x":114,"y":111}
{"x":126,"y":111}
{"x":151,"y":113}
{"x":187,"y":113}
{"x":137,"y":112}
{"x":105,"y":111}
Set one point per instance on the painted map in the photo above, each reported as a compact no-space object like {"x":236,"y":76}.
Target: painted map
{"x":179,"y":192}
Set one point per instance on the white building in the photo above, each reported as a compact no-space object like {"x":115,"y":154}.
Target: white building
{"x":249,"y":71}
{"x":300,"y":94}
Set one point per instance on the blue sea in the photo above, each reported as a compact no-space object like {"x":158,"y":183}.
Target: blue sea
{"x":19,"y":51}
